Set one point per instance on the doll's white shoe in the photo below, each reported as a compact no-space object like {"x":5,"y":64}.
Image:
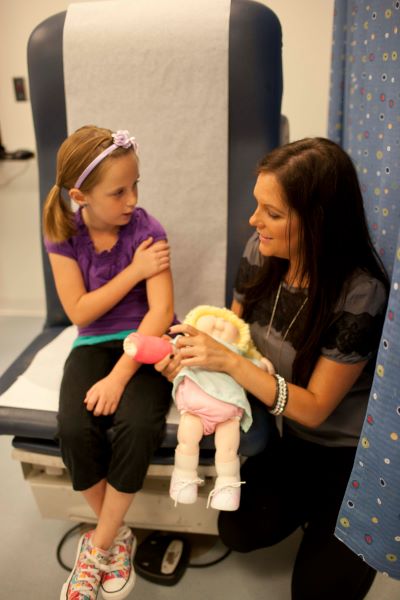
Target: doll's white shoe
{"x":183,"y":490}
{"x":225,"y":495}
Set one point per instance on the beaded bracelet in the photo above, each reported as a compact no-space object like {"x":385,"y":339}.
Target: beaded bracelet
{"x":281,"y":396}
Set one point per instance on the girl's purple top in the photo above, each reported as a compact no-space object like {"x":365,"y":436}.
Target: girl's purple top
{"x":99,"y":267}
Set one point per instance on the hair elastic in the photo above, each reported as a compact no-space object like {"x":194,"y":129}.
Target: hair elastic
{"x":121,"y":139}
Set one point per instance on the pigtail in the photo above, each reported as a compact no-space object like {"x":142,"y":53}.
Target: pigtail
{"x":58,"y":222}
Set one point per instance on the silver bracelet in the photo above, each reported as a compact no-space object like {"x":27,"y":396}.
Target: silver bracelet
{"x":281,"y":396}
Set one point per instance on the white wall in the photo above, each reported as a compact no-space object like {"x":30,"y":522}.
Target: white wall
{"x":307,"y":34}
{"x":307,"y":40}
{"x":18,"y":18}
{"x":21,"y":281}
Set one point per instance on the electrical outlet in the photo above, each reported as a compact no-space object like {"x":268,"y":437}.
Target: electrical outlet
{"x":19,"y":89}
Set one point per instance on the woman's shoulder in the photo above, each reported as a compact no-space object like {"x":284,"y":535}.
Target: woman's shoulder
{"x":251,"y":251}
{"x":364,"y":294}
{"x":250,"y":266}
{"x":355,"y":332}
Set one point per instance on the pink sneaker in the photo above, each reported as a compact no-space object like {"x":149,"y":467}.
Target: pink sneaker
{"x":85,"y":578}
{"x":183,"y":490}
{"x":120,"y":577}
{"x":225,"y":495}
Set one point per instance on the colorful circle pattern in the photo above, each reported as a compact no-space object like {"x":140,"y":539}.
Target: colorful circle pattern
{"x":365,"y":120}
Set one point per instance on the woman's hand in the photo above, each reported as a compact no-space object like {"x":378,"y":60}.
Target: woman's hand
{"x":170,"y":365}
{"x":104,"y":396}
{"x":198,"y":349}
{"x":150,"y":259}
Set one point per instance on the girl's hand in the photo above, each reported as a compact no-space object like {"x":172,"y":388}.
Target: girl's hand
{"x":150,"y":259}
{"x":198,"y":349}
{"x":104,"y":396}
{"x":170,"y":365}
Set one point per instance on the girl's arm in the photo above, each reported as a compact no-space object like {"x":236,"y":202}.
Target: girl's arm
{"x":104,"y":396}
{"x":329,"y":382}
{"x":83,"y":307}
{"x":155,"y":322}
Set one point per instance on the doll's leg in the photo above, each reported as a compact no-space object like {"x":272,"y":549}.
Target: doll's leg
{"x":190,"y":432}
{"x":227,"y":439}
{"x":184,"y":479}
{"x":226,"y":493}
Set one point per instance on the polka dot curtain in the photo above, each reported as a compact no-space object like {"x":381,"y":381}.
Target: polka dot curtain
{"x":365,"y":121}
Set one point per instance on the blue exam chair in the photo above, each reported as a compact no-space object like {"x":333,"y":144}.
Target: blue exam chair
{"x":255,"y":91}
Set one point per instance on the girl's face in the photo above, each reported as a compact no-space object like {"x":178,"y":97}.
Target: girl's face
{"x":277,"y":227}
{"x":111,"y":202}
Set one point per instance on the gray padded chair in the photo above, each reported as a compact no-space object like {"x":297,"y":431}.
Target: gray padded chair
{"x":255,"y":91}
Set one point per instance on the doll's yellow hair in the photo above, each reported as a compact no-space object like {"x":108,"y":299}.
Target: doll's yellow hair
{"x":245,"y":343}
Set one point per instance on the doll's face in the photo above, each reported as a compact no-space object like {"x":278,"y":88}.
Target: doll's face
{"x":218,"y":328}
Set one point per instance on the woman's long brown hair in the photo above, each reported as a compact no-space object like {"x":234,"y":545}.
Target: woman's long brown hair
{"x":320,"y":184}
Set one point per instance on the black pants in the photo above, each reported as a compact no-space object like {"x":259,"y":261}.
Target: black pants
{"x":296,"y":483}
{"x":117,"y":447}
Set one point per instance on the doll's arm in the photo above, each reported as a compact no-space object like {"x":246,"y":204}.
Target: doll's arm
{"x":267,"y":365}
{"x":148,"y":349}
{"x":264,"y":364}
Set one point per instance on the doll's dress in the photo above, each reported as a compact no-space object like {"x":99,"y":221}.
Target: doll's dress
{"x":220,"y":386}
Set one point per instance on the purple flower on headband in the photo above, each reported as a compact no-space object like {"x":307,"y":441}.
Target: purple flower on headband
{"x":122,"y":138}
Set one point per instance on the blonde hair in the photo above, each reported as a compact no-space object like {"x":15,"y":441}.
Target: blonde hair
{"x":245,"y":343}
{"x":73,"y":156}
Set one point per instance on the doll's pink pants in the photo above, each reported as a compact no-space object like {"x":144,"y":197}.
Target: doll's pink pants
{"x":190,"y":398}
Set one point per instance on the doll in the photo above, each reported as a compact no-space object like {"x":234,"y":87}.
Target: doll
{"x":208,"y":402}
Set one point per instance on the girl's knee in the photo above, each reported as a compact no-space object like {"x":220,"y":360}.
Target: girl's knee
{"x":135,"y":434}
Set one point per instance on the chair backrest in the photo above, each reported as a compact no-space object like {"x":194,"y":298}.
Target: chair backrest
{"x":255,"y":92}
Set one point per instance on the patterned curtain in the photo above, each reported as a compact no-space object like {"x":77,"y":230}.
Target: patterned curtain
{"x":365,"y":121}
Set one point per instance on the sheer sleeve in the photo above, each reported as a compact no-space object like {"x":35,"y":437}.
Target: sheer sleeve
{"x":249,"y":265}
{"x":355,"y":332}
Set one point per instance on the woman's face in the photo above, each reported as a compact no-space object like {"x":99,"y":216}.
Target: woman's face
{"x":277,"y":226}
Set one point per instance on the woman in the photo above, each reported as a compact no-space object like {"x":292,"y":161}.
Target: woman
{"x":314,"y":292}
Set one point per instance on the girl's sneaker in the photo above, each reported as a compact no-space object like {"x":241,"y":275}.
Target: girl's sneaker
{"x":120,"y":577}
{"x":85,"y":578}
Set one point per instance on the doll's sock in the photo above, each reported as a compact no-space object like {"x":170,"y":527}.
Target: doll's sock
{"x":186,"y":465}
{"x":228,"y":470}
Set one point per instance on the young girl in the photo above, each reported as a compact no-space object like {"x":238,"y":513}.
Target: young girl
{"x":110,"y":261}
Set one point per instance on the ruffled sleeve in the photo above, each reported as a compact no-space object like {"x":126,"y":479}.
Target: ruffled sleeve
{"x":145,"y":225}
{"x":356,"y":330}
{"x":250,"y":263}
{"x":68,"y":248}
{"x":63,"y":248}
